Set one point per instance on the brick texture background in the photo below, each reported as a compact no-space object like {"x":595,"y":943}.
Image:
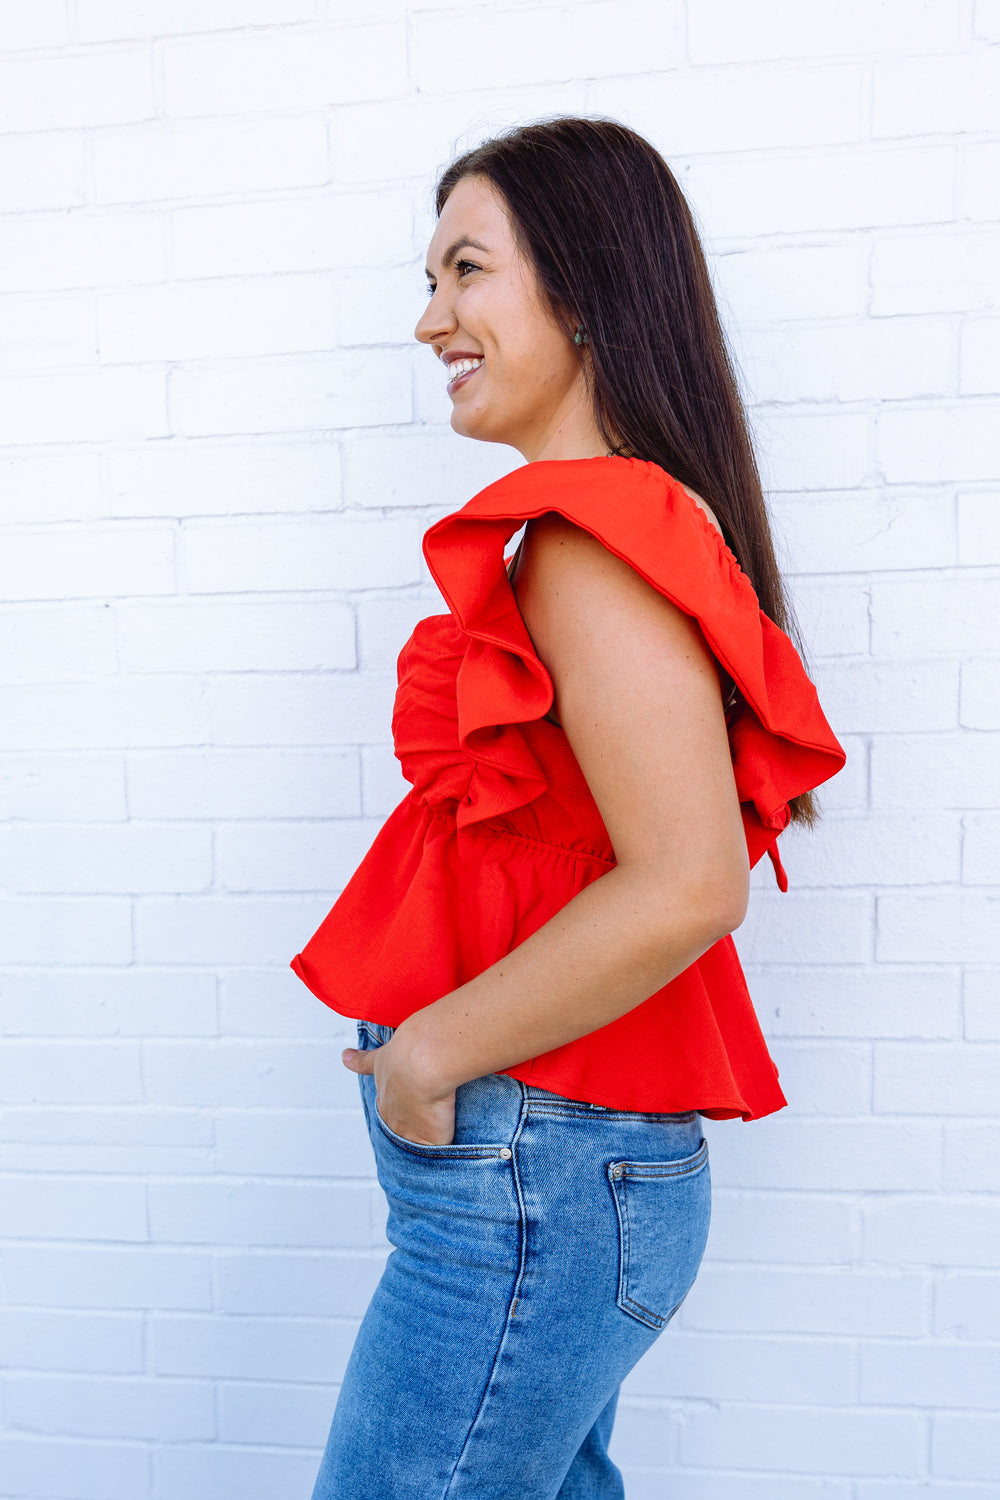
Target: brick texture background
{"x":220,"y":445}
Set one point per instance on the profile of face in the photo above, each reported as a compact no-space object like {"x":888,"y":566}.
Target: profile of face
{"x":530,"y":389}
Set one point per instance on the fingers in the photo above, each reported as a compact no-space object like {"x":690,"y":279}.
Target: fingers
{"x":358,"y":1061}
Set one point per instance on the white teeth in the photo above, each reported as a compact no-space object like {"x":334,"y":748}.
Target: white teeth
{"x":461,"y":366}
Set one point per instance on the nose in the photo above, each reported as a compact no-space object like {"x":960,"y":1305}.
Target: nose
{"x":437,"y":321}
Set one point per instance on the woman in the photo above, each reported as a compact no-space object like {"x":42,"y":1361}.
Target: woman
{"x":602,"y":738}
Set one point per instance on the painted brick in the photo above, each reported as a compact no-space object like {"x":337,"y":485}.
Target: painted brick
{"x":251,"y":1348}
{"x":217,"y":319}
{"x":978,"y":193}
{"x":828,"y":191}
{"x":972,"y":1152}
{"x":91,"y":930}
{"x":216,"y":930}
{"x":981,"y":849}
{"x":43,"y":171}
{"x":980,"y":367}
{"x":280,"y":1415}
{"x":843,"y":361}
{"x":253,"y":1474}
{"x":725,"y":31}
{"x":312,"y":231}
{"x":47,"y":1207}
{"x":935,"y":272}
{"x":210,"y":479}
{"x":980,"y":707}
{"x":842,"y":1155}
{"x":107,"y":1278}
{"x":104,"y":714}
{"x":249,"y":783}
{"x":908,"y":1230}
{"x":216,"y":214}
{"x":51,"y":644}
{"x":806,"y":1228}
{"x":108,"y":1003}
{"x":297,"y":1284}
{"x":238,"y":556}
{"x":716,"y":110}
{"x":94,"y":405}
{"x":936,"y":95}
{"x":55,"y":486}
{"x":266,"y":1003}
{"x":177,"y":161}
{"x":819,"y":1441}
{"x":936,"y":770}
{"x":564,"y":44}
{"x":366,"y":388}
{"x":244,"y":1073}
{"x":838,"y":925}
{"x":58,"y":250}
{"x":159,"y":1410}
{"x":950,"y":616}
{"x":85,"y":563}
{"x":76,"y":91}
{"x":117,"y":20}
{"x":982,"y":1010}
{"x":124,"y":858}
{"x":260,"y":1213}
{"x":191,"y":636}
{"x":39,"y":332}
{"x":43,"y":25}
{"x":874,"y":850}
{"x":311,"y":856}
{"x":978,"y":528}
{"x":840,"y":1002}
{"x":39,"y":1469}
{"x":285,"y":71}
{"x":937,"y":445}
{"x":965,"y":1447}
{"x":967,"y":1306}
{"x":916,"y":1078}
{"x":946,"y":926}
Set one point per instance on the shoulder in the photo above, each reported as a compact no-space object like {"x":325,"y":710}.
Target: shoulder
{"x":704,"y":505}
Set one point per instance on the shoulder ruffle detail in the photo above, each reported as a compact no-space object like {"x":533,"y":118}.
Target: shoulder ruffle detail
{"x":781,"y":742}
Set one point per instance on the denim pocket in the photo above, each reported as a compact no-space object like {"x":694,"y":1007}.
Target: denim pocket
{"x":664,"y":1209}
{"x":461,"y":1149}
{"x":370,"y":1038}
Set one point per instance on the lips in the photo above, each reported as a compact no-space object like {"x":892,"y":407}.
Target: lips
{"x":454,"y":384}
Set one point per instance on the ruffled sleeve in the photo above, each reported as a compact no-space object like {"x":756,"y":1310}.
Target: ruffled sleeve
{"x":780,"y":739}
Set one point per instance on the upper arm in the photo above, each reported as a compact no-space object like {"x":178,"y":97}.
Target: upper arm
{"x":638,"y":694}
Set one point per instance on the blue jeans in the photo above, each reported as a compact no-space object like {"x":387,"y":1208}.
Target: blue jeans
{"x":536,"y":1259}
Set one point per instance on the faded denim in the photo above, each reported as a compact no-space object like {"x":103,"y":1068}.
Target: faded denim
{"x":536,"y":1259}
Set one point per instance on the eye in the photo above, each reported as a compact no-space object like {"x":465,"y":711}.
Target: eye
{"x":458,"y":264}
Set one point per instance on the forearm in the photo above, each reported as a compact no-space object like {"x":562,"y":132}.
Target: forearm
{"x":613,"y":945}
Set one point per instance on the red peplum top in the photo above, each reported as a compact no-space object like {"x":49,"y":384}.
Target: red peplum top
{"x":499,"y":829}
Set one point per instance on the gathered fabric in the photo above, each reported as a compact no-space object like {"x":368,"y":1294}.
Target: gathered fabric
{"x":499,"y":829}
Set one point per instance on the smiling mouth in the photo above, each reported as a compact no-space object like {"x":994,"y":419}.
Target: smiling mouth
{"x":453,"y":385}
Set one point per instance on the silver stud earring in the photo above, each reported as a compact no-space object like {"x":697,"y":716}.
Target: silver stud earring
{"x":580,"y":336}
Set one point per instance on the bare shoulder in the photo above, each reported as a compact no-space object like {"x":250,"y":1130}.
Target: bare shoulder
{"x":710,"y":513}
{"x":637,"y":693}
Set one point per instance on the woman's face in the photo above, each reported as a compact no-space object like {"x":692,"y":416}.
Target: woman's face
{"x":530,"y":390}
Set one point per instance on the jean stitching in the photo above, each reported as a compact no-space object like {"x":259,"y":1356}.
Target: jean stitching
{"x":515,"y":1290}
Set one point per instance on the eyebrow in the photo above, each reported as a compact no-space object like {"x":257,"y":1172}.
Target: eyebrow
{"x":458,"y":245}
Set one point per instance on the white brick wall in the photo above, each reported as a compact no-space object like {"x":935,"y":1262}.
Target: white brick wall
{"x":219,"y":448}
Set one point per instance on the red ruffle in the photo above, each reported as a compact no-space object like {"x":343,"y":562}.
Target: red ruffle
{"x":780,"y":739}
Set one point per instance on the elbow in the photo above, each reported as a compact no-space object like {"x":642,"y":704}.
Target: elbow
{"x":712,"y":901}
{"x":723,"y":896}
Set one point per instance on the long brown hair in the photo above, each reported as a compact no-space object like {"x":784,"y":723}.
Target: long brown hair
{"x":598,"y":214}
